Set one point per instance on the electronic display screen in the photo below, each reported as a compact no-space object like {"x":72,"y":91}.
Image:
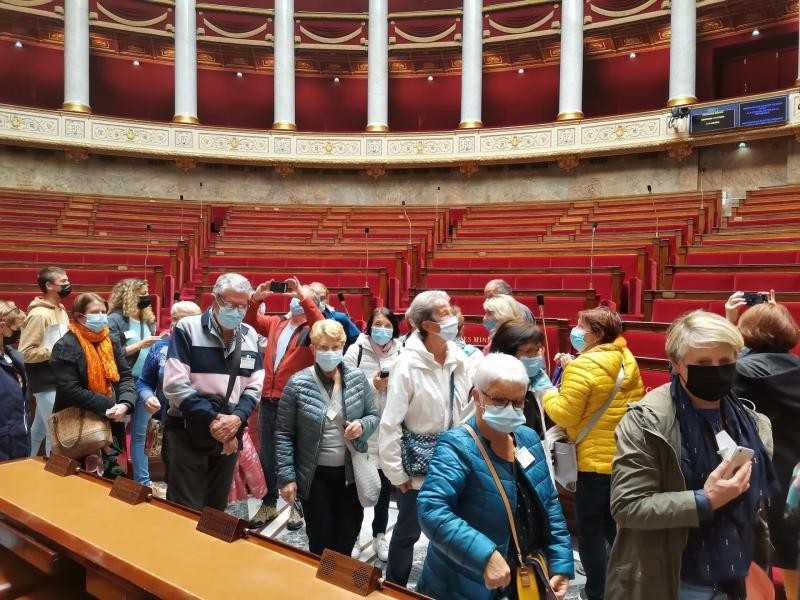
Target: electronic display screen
{"x":768,"y":111}
{"x":712,"y":118}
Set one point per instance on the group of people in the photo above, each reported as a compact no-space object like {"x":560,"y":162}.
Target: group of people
{"x":460,"y":437}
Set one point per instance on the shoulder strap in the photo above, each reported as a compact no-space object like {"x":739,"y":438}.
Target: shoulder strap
{"x":503,"y":497}
{"x":235,"y":359}
{"x":596,"y":416}
{"x":360,"y":353}
{"x":452,"y":395}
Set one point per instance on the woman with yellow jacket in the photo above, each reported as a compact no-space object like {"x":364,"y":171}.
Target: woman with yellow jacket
{"x":586,"y":384}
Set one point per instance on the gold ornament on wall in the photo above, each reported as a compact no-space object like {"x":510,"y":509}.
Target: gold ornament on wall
{"x":679,"y":151}
{"x":568,"y":163}
{"x":185,"y":163}
{"x":469,"y":168}
{"x":76,"y":155}
{"x":284,"y":169}
{"x":376,"y":171}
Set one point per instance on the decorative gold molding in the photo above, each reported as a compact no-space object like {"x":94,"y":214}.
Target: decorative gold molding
{"x":569,"y":116}
{"x":284,"y":169}
{"x":376,"y":171}
{"x":681,"y":101}
{"x":185,"y":163}
{"x":679,"y":151}
{"x":469,"y":168}
{"x":284,"y":126}
{"x":470,"y":124}
{"x":377,"y":128}
{"x":186,"y":119}
{"x":568,"y":163}
{"x":76,"y":107}
{"x":76,"y":155}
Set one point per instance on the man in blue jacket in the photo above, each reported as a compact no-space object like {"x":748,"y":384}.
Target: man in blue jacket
{"x":351,"y":330}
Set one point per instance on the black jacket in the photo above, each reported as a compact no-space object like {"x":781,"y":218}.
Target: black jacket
{"x":72,"y":387}
{"x":14,"y":440}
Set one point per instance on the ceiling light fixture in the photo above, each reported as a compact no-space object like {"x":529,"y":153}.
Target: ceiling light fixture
{"x":520,"y":71}
{"x":239,"y":74}
{"x":756,"y":32}
{"x":632,"y":55}
{"x":335,"y":80}
{"x":17,"y":44}
{"x":430,"y":77}
{"x":742,"y":145}
{"x":136,"y":63}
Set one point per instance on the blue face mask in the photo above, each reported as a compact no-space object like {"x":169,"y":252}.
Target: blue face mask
{"x":490,"y":324}
{"x":506,"y":420}
{"x":533,"y":365}
{"x":577,"y":337}
{"x":295,"y":307}
{"x":230,"y":318}
{"x":328,"y":360}
{"x":381,"y":335}
{"x":96,"y":322}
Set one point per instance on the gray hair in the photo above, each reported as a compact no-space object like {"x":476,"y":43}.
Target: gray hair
{"x":501,"y":286}
{"x":701,"y":329}
{"x":504,"y":307}
{"x":497,"y":367}
{"x":312,"y":294}
{"x":184,"y":309}
{"x":424,"y":305}
{"x":233,"y":282}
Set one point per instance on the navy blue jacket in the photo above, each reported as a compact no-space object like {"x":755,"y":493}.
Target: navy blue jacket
{"x":351,"y":330}
{"x":462,"y":514}
{"x":14,"y":440}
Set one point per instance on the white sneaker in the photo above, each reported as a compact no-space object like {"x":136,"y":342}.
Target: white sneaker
{"x":356,"y":553}
{"x":381,"y":545}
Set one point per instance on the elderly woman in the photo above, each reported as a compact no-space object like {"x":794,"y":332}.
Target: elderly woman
{"x":605,"y":377}
{"x":428,"y":392}
{"x":14,"y":442}
{"x":375,"y":353}
{"x":472,"y":553}
{"x":324,"y":410}
{"x":769,"y":375}
{"x":496,"y":311}
{"x":686,"y":517}
{"x":92,"y":373}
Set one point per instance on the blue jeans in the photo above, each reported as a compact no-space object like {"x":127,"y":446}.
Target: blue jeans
{"x":141,"y":468}
{"x":689,"y":591}
{"x":39,"y":429}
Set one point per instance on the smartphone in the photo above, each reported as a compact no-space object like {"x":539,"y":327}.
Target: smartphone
{"x":384,"y":373}
{"x":753,"y":298}
{"x":279,"y":287}
{"x":740,"y":457}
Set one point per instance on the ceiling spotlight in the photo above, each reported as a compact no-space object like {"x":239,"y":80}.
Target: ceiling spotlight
{"x":335,"y":80}
{"x":430,"y":77}
{"x":742,"y":145}
{"x":520,"y":71}
{"x":136,"y":63}
{"x":756,"y":32}
{"x":239,"y":74}
{"x":17,"y":44}
{"x":632,"y":55}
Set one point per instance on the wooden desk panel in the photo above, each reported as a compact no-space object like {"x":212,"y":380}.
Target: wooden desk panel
{"x":153,"y":547}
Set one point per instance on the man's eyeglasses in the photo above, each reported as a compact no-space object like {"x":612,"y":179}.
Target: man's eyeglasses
{"x":231,"y":306}
{"x":517,"y":403}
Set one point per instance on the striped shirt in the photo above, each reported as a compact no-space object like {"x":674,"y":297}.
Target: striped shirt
{"x":197,"y":369}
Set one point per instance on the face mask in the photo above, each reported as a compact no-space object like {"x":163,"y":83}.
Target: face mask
{"x":533,"y":365}
{"x":65,"y":290}
{"x":295,"y":307}
{"x":710,"y":382}
{"x":490,"y":325}
{"x":96,"y":322}
{"x":13,"y":339}
{"x":144,"y":302}
{"x":577,"y":337}
{"x":448,"y":328}
{"x":329,"y":360}
{"x":381,"y":335}
{"x":507,"y":419}
{"x":323,"y":306}
{"x":230,"y":318}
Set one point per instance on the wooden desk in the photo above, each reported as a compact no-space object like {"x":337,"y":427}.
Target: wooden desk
{"x":154,"y":545}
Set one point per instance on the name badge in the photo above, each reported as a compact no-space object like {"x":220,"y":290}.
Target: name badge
{"x":332,"y":412}
{"x":524,"y":457}
{"x":129,"y":335}
{"x":248,"y":362}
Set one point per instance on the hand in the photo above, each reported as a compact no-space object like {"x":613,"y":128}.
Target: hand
{"x":289,"y":493}
{"x":560,"y":585}
{"x":497,"y":573}
{"x":732,"y":306}
{"x":261,"y":292}
{"x":720,"y":490}
{"x":294,"y":288}
{"x":230,"y":447}
{"x":151,"y":405}
{"x":117,"y":412}
{"x":380,"y":383}
{"x":224,"y":427}
{"x":149,"y":341}
{"x":404,"y":487}
{"x":353,"y":430}
{"x":563,"y":358}
{"x":771,"y":297}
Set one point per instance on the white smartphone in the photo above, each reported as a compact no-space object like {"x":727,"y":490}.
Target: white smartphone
{"x":740,"y":457}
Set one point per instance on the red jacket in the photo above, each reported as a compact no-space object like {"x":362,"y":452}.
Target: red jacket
{"x":296,"y":357}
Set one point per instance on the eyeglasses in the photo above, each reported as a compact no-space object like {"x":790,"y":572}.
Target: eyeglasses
{"x":518,"y":404}
{"x":230,"y":305}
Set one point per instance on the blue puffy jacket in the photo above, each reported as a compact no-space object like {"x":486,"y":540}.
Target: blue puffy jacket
{"x":462,"y":514}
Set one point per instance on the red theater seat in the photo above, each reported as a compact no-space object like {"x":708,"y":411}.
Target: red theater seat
{"x":653,"y":379}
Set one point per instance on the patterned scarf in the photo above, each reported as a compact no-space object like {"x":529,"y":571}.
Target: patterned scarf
{"x":101,"y":365}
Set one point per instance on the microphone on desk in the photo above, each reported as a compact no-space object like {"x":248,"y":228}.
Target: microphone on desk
{"x":366,"y":263}
{"x":591,"y":257}
{"x":655,"y":212}
{"x":403,"y":204}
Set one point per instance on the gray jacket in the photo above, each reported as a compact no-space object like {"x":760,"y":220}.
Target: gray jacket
{"x":301,"y":418}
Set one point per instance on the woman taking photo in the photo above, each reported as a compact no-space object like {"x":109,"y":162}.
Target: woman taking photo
{"x":92,"y":374}
{"x":323,"y":410}
{"x":587,"y":384}
{"x":14,"y":441}
{"x":473,"y":553}
{"x":375,"y":352}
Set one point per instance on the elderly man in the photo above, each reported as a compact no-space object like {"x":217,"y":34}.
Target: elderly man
{"x":212,"y":381}
{"x":287,"y":352}
{"x":351,"y":330}
{"x":497,"y":287}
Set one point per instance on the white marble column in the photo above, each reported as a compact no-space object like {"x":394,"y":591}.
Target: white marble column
{"x":472,"y":65}
{"x":76,"y":56}
{"x":683,"y":52}
{"x":797,"y":81}
{"x":284,"y":65}
{"x":570,"y":92}
{"x":185,"y":62}
{"x":378,"y":68}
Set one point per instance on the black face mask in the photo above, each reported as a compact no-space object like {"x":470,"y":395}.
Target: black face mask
{"x":710,"y":382}
{"x":13,"y":340}
{"x":65,"y":290}
{"x":144,"y":302}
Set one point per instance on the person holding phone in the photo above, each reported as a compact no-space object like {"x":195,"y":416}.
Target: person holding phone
{"x":742,"y":300}
{"x":375,"y":353}
{"x":687,"y":524}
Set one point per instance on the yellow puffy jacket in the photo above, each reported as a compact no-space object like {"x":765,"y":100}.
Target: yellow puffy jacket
{"x":586,"y":385}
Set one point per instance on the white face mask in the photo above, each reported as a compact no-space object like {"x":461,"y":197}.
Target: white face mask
{"x":448,"y":328}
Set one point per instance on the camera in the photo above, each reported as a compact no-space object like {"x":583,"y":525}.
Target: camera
{"x":753,"y":298}
{"x":279,"y":287}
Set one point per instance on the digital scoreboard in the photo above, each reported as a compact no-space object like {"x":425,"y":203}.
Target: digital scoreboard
{"x":753,"y":113}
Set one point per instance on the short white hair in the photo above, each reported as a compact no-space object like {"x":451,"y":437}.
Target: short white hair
{"x":701,"y":329}
{"x":497,"y":367}
{"x":504,"y":307}
{"x":184,"y":308}
{"x":424,"y":305}
{"x":233,"y":282}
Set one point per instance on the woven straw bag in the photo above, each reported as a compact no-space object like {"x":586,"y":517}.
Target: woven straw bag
{"x":76,"y":432}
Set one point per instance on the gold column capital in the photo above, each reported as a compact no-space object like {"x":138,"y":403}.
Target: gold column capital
{"x":470,"y":124}
{"x":377,"y":128}
{"x":284,"y":126}
{"x":76,"y":107}
{"x":572,"y":115}
{"x":186,"y":119}
{"x":681,"y":101}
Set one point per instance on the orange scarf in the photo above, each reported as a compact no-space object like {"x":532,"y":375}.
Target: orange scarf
{"x":101,"y":365}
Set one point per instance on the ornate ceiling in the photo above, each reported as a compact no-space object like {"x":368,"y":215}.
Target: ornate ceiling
{"x":425,"y":35}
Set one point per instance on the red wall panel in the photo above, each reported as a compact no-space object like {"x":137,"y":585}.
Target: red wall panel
{"x":119,"y":89}
{"x":31,"y":75}
{"x":510,"y":98}
{"x":225,"y":100}
{"x":322,"y":105}
{"x":416,"y":104}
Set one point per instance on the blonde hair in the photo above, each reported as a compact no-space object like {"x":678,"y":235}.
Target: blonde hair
{"x":125,"y":297}
{"x":504,"y":307}
{"x":701,"y":329}
{"x":327,"y":328}
{"x":184,"y":309}
{"x":10,"y":313}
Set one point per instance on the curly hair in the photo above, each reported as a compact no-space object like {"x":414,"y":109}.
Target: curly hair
{"x":125,"y":297}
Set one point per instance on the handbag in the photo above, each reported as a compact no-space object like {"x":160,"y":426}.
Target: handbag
{"x":77,"y":432}
{"x":532,"y":577}
{"x":563,"y":450}
{"x":154,"y":438}
{"x":416,"y":449}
